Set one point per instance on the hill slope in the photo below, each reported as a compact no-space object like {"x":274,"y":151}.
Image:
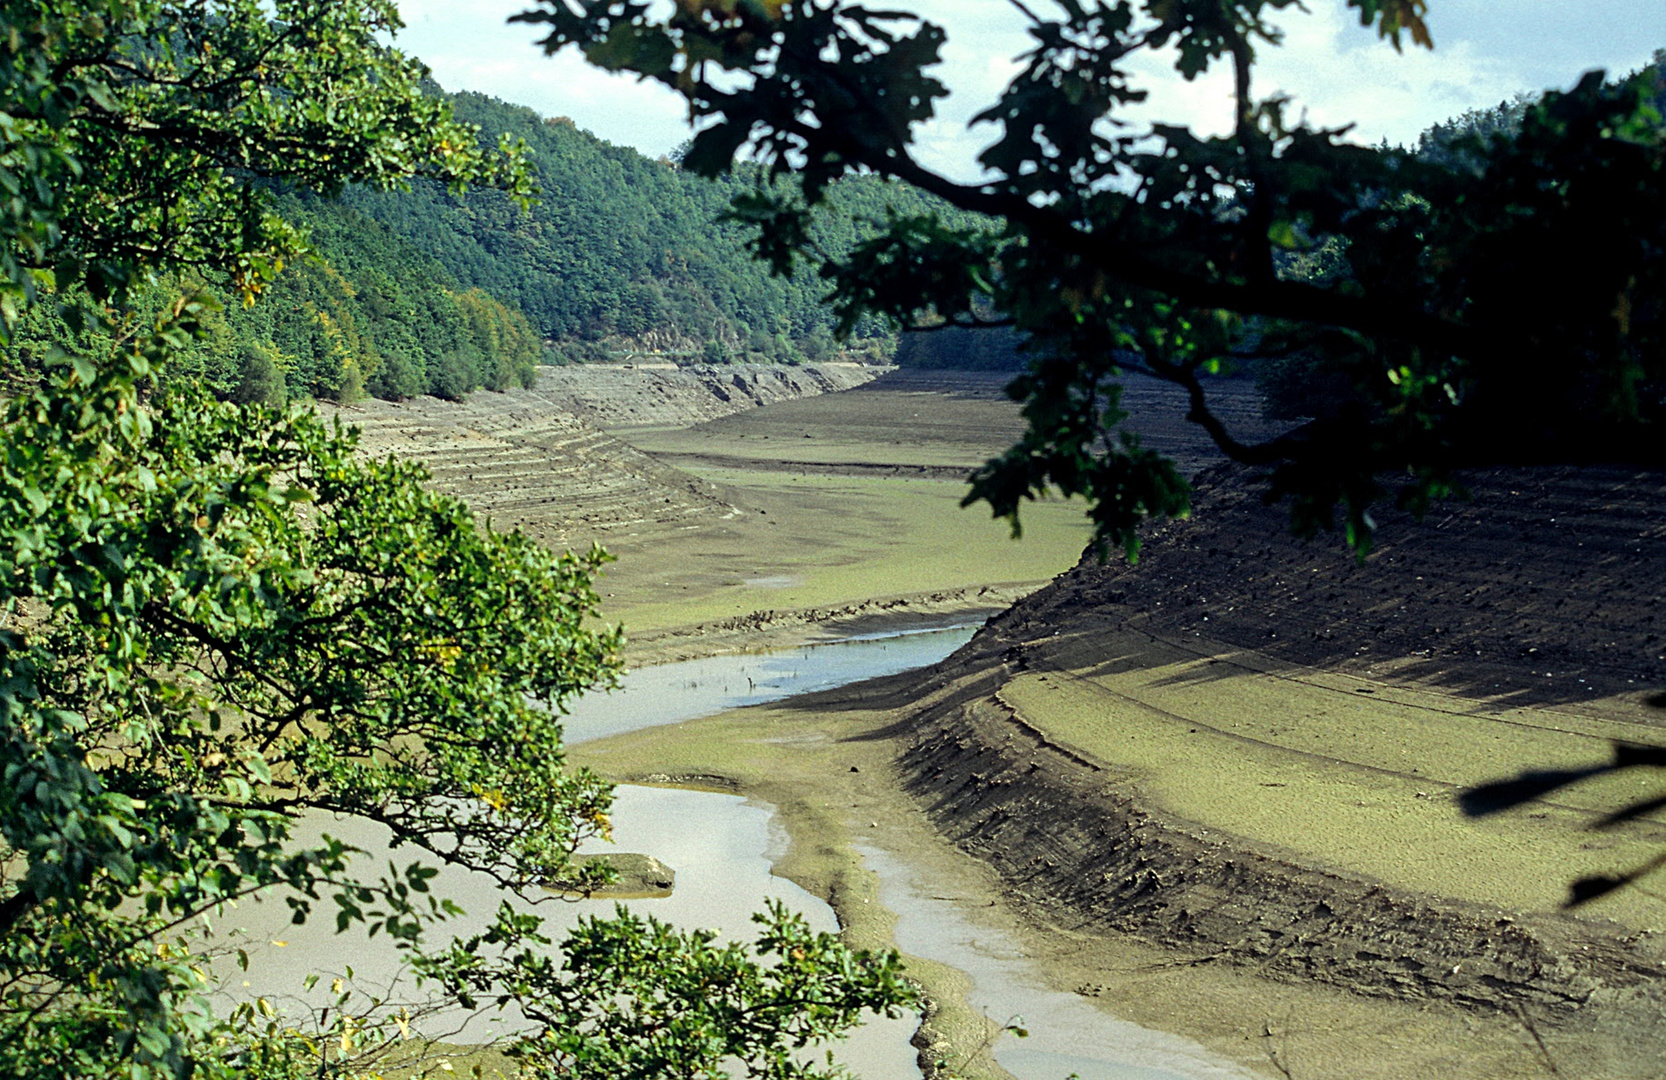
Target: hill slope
{"x":1250,"y":749}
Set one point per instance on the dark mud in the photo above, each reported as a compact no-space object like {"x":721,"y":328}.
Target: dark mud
{"x":1542,"y":587}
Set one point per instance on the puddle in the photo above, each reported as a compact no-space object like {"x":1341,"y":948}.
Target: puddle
{"x":672,"y":693}
{"x":776,"y":581}
{"x":1067,"y":1035}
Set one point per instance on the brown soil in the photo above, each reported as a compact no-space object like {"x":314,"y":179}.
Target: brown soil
{"x":539,"y":460}
{"x":636,"y":395}
{"x":1542,"y":591}
{"x":1543,"y":587}
{"x":1533,"y":605}
{"x":938,"y":424}
{"x":1533,"y":608}
{"x":518,"y":458}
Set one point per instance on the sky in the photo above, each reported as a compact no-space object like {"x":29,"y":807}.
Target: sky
{"x":1486,"y":51}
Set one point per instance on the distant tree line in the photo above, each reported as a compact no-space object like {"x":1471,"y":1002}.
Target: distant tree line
{"x":367,"y":314}
{"x":431,"y":291}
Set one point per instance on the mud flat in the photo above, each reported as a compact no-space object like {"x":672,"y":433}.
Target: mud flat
{"x":835,"y":766}
{"x":1274,"y":956}
{"x":1248,"y":751}
{"x":849,"y":509}
{"x":1215,"y":793}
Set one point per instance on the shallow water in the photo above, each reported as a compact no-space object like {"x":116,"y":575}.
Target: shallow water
{"x":1067,"y":1035}
{"x":672,"y":693}
{"x":720,"y":846}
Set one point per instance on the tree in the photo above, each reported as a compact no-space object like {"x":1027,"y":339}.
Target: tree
{"x":144,"y":134}
{"x":1497,"y":299}
{"x":214,"y":617}
{"x":1500,"y":304}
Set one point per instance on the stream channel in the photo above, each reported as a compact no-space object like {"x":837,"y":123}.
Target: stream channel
{"x":721,"y":847}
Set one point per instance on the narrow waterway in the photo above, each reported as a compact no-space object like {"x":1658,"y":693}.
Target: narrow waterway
{"x":672,"y":693}
{"x":1066,"y":1035}
{"x":722,"y":847}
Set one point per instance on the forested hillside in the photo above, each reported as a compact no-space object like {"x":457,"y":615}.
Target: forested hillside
{"x":430,"y":292}
{"x":367,"y":313}
{"x":627,"y":250}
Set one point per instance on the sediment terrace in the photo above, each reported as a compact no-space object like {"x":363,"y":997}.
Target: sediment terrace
{"x":538,"y":460}
{"x":1246,"y":751}
{"x":1250,"y":749}
{"x":643,"y":395}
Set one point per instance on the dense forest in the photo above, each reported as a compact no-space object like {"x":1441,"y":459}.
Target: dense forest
{"x":367,"y":313}
{"x":628,"y":251}
{"x":434,"y":292}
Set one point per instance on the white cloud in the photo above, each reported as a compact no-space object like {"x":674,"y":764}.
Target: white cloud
{"x":1340,"y":73}
{"x":473,"y":47}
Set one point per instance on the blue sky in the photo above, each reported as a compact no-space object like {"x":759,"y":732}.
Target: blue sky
{"x":1486,"y":51}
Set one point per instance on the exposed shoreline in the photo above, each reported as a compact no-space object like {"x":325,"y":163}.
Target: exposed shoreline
{"x":772,"y":630}
{"x":919,"y":763}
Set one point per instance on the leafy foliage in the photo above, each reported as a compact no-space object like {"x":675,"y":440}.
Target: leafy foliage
{"x":215,"y":616}
{"x":1502,"y":311}
{"x":629,"y":251}
{"x":137,"y":133}
{"x":361,"y":313}
{"x":634,"y":997}
{"x":206,"y":659}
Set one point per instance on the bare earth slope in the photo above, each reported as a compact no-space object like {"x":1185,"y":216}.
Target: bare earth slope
{"x":640,"y":395}
{"x":1544,"y":586}
{"x":538,"y":459}
{"x":1249,"y":748}
{"x":521,"y":458}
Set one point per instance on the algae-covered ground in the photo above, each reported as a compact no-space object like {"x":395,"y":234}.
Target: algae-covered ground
{"x":829,"y":766}
{"x":1342,"y":771}
{"x":839,"y":499}
{"x":1265,"y":853}
{"x":820,"y":541}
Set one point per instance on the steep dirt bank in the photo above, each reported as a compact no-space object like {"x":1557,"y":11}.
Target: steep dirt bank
{"x":836,"y":766}
{"x":623,"y":396}
{"x":1076,"y":839}
{"x":1248,"y":748}
{"x":1544,"y":587}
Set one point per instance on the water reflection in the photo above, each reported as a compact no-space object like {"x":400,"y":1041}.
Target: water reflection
{"x":721,"y":847}
{"x":672,"y":693}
